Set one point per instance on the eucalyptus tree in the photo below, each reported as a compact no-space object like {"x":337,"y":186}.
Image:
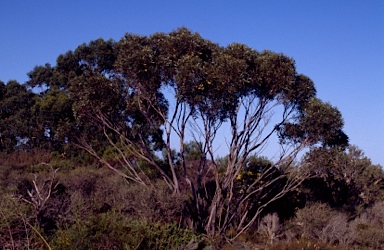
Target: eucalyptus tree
{"x":145,"y":93}
{"x":207,"y":86}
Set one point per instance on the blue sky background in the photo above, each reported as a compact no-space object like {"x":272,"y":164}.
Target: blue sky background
{"x":338,"y":44}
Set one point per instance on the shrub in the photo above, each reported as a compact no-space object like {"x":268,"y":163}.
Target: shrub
{"x":368,"y":227}
{"x":313,"y":219}
{"x":337,"y":231}
{"x":270,"y":227}
{"x":153,"y":203}
{"x":304,"y":245}
{"x":113,"y":230}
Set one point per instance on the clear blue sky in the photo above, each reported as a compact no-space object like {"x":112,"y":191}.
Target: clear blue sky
{"x":338,"y":44}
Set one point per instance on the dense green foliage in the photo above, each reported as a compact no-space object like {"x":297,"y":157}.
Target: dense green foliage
{"x":121,"y":105}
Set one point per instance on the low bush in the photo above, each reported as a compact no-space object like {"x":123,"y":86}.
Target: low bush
{"x":305,"y":245}
{"x":312,"y":219}
{"x":368,"y":227}
{"x":113,"y":230}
